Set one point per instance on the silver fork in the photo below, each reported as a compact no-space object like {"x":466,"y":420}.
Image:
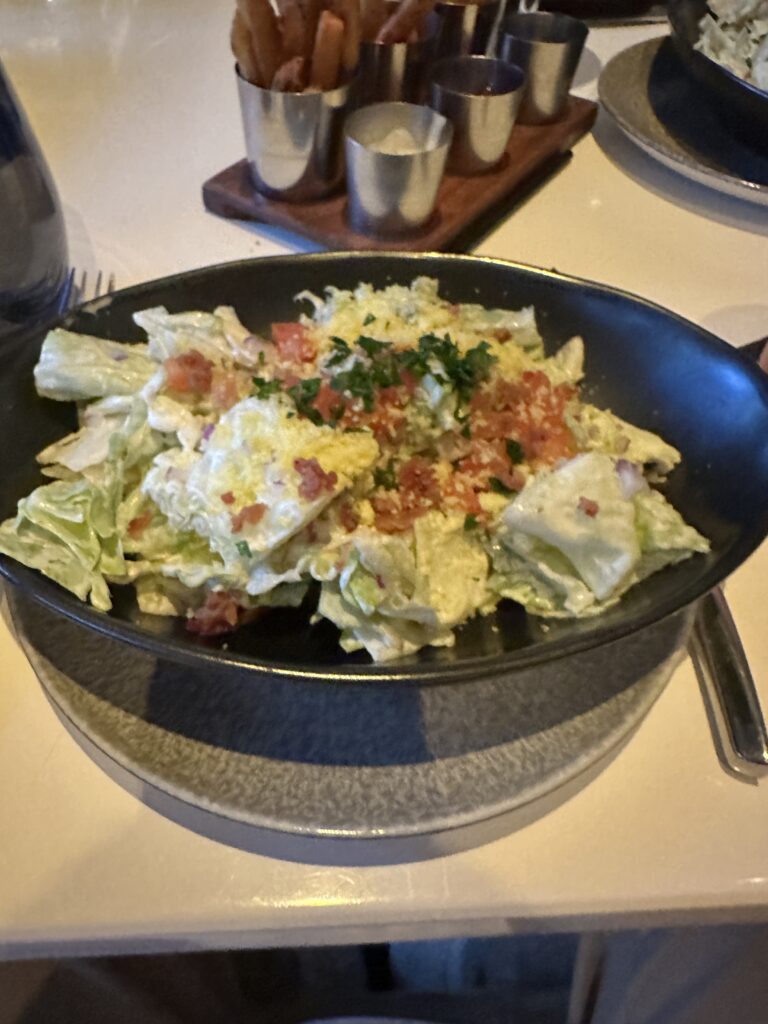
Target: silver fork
{"x":82,"y":287}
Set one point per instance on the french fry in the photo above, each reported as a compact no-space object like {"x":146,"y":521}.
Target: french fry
{"x":292,"y":28}
{"x":373,"y":15}
{"x":349,"y":12}
{"x":408,"y":17}
{"x":240,"y":40}
{"x":311,"y":11}
{"x":265,"y":36}
{"x":291,"y":76}
{"x":326,"y":56}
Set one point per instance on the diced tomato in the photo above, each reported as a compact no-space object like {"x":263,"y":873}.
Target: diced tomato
{"x":138,"y":524}
{"x":314,"y":479}
{"x":225,"y":391}
{"x":294,"y":343}
{"x":588,"y":507}
{"x":251,"y":514}
{"x":228,"y":498}
{"x":190,"y":371}
{"x":219,"y":614}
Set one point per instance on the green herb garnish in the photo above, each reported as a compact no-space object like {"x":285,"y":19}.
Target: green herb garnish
{"x":369,"y":319}
{"x":303,"y":394}
{"x":463,"y":372}
{"x":515,"y":452}
{"x":243,"y":548}
{"x":358,"y":382}
{"x":263,"y":388}
{"x":371,"y":346}
{"x":470,"y":522}
{"x":500,"y":488}
{"x":385,"y":477}
{"x":342,"y":351}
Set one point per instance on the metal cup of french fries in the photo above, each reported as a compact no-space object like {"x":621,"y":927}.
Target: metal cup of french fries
{"x":295,"y":70}
{"x":304,"y":66}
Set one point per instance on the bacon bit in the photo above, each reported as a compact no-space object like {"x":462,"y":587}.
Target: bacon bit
{"x":531,"y":410}
{"x":329,"y":403}
{"x":139,"y":524}
{"x":588,"y":507}
{"x":225,"y":391}
{"x":190,"y":371}
{"x":418,"y":493}
{"x":314,"y":479}
{"x":252,"y":514}
{"x":219,"y":614}
{"x":294,"y":343}
{"x":502,"y":334}
{"x":228,"y":498}
{"x":348,"y":518}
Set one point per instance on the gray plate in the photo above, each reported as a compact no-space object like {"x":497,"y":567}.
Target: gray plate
{"x":657,"y":106}
{"x":348,"y":761}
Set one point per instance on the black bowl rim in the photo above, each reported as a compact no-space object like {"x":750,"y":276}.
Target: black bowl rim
{"x":50,"y":594}
{"x":707,"y":65}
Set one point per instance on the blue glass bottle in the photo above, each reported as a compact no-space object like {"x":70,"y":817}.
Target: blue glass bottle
{"x":33,"y":245}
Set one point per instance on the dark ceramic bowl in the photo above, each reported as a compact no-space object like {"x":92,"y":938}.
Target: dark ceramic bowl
{"x":741,"y":106}
{"x":648,"y":365}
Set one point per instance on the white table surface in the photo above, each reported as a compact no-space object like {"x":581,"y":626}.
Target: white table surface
{"x":134,"y":104}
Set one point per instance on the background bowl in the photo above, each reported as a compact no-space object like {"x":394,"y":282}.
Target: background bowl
{"x":742,"y":106}
{"x":648,"y":365}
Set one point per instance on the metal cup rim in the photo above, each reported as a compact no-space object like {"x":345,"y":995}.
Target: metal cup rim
{"x":573,"y":29}
{"x":445,"y":136}
{"x":477,"y":59}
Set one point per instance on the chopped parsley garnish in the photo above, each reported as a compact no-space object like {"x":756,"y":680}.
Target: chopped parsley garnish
{"x":371,"y":346}
{"x":515,"y":452}
{"x":463,"y":372}
{"x":262,"y":358}
{"x":369,"y":319}
{"x":342,"y":351}
{"x":470,"y":522}
{"x":263,"y":388}
{"x":465,"y":431}
{"x":303,"y":394}
{"x":385,"y":477}
{"x":358,"y":382}
{"x":243,"y":548}
{"x":500,"y":488}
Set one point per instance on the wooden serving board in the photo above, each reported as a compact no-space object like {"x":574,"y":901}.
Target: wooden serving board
{"x":463,"y":203}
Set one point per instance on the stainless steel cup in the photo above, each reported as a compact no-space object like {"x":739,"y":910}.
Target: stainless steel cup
{"x":395,"y":71}
{"x":396,"y":155}
{"x":547,"y":47}
{"x":464,"y":27}
{"x":294,"y":140}
{"x":480,"y":96}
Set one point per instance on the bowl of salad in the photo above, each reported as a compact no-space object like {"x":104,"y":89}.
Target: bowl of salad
{"x":381,"y":467}
{"x":723,"y":47}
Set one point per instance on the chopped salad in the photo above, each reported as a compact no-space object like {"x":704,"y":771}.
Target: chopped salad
{"x":418,"y":459}
{"x":735,"y":34}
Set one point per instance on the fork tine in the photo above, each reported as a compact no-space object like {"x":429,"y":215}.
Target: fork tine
{"x":81,"y":288}
{"x":97,"y":286}
{"x":110,"y":284}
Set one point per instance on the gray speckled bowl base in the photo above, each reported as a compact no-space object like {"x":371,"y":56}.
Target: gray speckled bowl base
{"x":348,"y":760}
{"x":655,"y":104}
